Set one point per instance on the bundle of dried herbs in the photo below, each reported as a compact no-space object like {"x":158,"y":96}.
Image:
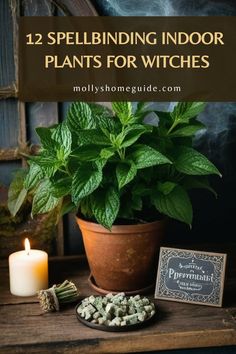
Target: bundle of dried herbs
{"x":53,"y":298}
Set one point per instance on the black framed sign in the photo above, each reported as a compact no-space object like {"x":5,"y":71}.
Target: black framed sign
{"x":190,"y":276}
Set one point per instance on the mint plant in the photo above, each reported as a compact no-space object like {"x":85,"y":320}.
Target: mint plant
{"x":114,"y":166}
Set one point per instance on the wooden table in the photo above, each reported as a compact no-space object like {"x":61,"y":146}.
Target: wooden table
{"x":25,"y":329}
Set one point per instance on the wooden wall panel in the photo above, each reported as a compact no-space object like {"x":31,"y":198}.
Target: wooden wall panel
{"x":9,"y":125}
{"x":7,"y":71}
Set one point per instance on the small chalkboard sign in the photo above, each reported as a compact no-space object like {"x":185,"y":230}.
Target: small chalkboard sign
{"x":190,"y":276}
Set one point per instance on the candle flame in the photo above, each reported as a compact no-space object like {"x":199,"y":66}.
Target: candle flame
{"x":27,"y":245}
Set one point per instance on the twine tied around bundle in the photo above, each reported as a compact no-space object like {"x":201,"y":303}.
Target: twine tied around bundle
{"x":51,"y":299}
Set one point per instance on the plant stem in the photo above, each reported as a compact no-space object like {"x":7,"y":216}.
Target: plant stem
{"x":173,"y":126}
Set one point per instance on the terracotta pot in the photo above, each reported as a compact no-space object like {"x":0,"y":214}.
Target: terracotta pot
{"x":124,"y":259}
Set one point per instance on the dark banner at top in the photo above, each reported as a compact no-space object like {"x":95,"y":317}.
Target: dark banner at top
{"x":127,"y":58}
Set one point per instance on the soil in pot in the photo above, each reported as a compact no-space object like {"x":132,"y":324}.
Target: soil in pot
{"x":124,"y":259}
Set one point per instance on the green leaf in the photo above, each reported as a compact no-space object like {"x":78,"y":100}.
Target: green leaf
{"x":105,"y":206}
{"x":99,"y":111}
{"x":61,"y":187}
{"x":85,"y":207}
{"x":201,"y":182}
{"x":43,"y":201}
{"x":125,"y":172}
{"x":49,"y":164}
{"x":14,"y":204}
{"x":176,"y":204}
{"x":189,"y":130}
{"x":45,"y":135}
{"x":87,"y":152}
{"x":166,"y":187}
{"x":141,"y":106}
{"x":62,"y":136}
{"x":164,"y":117}
{"x":92,"y":136}
{"x":184,"y":111}
{"x":137,"y":202}
{"x":67,"y":207}
{"x":141,"y":190}
{"x":106,"y":153}
{"x":100,"y":163}
{"x":80,"y":116}
{"x":108,"y":125}
{"x":17,"y":193}
{"x":191,"y":162}
{"x":34,"y":175}
{"x":50,"y":171}
{"x":132,"y":133}
{"x":86,"y":179}
{"x":123,"y":110}
{"x":44,"y":160}
{"x":145,"y":156}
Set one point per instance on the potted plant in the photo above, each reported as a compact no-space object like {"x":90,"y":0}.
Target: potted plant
{"x":123,"y":173}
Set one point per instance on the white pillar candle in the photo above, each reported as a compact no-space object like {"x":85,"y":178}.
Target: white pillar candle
{"x":28,"y":271}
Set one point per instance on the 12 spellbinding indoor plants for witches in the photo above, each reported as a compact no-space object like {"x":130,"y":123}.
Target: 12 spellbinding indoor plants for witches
{"x":121,"y":172}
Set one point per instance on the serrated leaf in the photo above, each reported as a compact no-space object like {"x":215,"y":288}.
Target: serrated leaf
{"x":92,"y":136}
{"x":86,"y":179}
{"x":123,"y":110}
{"x":62,"y":136}
{"x":125,"y":173}
{"x":100,"y":163}
{"x":99,"y":111}
{"x":106,"y":153}
{"x":108,"y":125}
{"x":132,"y":134}
{"x":45,"y":135}
{"x":80,"y":116}
{"x":17,"y":193}
{"x":105,"y":206}
{"x":48,"y":164}
{"x":141,"y":189}
{"x":43,"y":201}
{"x":191,"y":162}
{"x":145,"y":156}
{"x":201,"y":182}
{"x":189,"y":130}
{"x":67,"y":207}
{"x":87,"y":153}
{"x":184,"y":111}
{"x":140,"y":106}
{"x":34,"y":175}
{"x":49,"y":171}
{"x":166,"y":187}
{"x":61,"y":187}
{"x":176,"y":204}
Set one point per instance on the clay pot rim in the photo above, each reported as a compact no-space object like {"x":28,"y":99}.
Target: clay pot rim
{"x":119,"y":229}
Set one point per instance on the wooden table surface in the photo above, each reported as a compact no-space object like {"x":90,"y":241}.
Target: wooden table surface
{"x":25,"y":329}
